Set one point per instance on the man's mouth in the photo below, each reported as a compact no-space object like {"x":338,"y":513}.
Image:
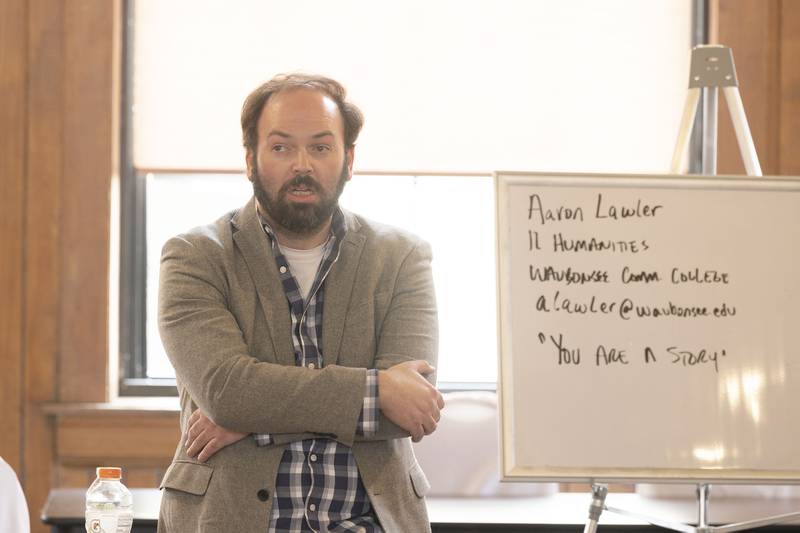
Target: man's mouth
{"x":301,"y":186}
{"x":301,"y":191}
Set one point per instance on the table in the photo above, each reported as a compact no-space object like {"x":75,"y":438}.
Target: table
{"x":555,"y":513}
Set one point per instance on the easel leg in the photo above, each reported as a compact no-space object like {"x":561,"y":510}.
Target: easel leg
{"x":599,"y":493}
{"x":743,"y":136}
{"x":702,"y":507}
{"x":685,"y":131}
{"x":710,"y":95}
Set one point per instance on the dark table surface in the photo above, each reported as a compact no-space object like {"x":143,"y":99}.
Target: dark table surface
{"x":553,"y":513}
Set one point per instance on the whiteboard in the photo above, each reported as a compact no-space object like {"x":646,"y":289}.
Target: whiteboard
{"x":649,"y":328}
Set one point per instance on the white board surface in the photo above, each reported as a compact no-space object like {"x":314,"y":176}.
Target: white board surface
{"x":649,"y":328}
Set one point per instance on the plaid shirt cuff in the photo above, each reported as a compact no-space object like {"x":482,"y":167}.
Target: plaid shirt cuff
{"x":368,"y":420}
{"x":263,"y":439}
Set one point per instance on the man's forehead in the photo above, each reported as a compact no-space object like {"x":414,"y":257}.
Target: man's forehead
{"x":300,"y":105}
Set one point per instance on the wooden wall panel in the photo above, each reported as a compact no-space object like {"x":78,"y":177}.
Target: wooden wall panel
{"x":135,"y":477}
{"x":142,"y":443}
{"x":790,"y":88}
{"x":75,"y":477}
{"x":751,"y":29}
{"x":143,"y":477}
{"x":13,"y":70}
{"x":43,"y":217}
{"x":87,"y":170}
{"x":87,"y":439}
{"x":63,"y":135}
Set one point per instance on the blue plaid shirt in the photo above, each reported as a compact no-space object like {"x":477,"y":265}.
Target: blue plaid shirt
{"x":318,"y":487}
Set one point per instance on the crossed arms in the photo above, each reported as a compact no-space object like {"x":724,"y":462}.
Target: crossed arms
{"x":237,"y":394}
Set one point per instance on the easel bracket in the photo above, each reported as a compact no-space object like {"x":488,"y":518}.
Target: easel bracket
{"x":712,"y":67}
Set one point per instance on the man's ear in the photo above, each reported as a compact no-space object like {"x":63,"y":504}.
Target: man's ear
{"x":350,"y":156}
{"x":251,"y":165}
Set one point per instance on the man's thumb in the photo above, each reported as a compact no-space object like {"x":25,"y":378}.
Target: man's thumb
{"x":423,"y":367}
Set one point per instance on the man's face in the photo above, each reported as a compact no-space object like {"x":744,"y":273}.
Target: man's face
{"x":300,"y":165}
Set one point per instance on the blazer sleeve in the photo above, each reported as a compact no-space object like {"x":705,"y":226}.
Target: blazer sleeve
{"x":237,"y":391}
{"x":409,"y":331}
{"x":410,"y":328}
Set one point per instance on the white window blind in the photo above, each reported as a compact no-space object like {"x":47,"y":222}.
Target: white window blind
{"x":446,"y":85}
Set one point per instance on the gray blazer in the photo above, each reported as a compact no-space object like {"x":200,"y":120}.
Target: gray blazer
{"x":226,"y":328}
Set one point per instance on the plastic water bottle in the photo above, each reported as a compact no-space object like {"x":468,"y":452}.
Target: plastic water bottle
{"x":109,"y":504}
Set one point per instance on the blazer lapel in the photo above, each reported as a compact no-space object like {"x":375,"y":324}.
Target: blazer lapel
{"x":254,"y":247}
{"x":338,"y":288}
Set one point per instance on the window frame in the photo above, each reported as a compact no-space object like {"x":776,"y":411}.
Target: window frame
{"x":133,"y":380}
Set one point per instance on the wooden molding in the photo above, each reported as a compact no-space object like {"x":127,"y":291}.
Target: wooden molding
{"x":169,"y":406}
{"x":13,"y":72}
{"x":43,"y":243}
{"x":126,"y":439}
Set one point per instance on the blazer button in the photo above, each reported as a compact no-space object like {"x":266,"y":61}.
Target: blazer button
{"x":263,"y":495}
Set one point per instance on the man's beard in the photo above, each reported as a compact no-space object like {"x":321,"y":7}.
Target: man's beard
{"x":299,"y":218}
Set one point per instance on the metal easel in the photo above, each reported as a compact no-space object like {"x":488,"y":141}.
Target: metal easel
{"x":711,"y":68}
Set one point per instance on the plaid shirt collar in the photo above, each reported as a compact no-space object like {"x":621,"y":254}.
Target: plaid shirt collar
{"x":331,"y":254}
{"x":337,"y":233}
{"x":307,"y":314}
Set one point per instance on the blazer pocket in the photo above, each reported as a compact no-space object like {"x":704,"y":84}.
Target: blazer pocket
{"x":419,"y":481}
{"x":189,"y":477}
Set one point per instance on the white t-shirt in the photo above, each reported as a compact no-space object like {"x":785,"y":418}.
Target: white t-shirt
{"x":13,"y":507}
{"x":304,"y":265}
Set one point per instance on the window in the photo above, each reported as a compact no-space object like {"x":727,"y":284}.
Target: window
{"x":451,"y":90}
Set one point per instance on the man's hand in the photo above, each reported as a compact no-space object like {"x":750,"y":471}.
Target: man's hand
{"x":408,"y":400}
{"x":204,"y":438}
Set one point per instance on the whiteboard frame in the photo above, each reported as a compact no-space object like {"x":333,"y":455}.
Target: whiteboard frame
{"x":509,"y":470}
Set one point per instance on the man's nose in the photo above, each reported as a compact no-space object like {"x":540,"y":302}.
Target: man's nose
{"x":302,"y":162}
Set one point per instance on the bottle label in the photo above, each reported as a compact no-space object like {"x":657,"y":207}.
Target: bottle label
{"x":99,"y":522}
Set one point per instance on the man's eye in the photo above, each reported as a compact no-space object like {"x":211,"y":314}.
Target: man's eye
{"x":322,"y":148}
{"x":279,"y":148}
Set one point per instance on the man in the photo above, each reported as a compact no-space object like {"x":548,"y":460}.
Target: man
{"x":302,"y":336}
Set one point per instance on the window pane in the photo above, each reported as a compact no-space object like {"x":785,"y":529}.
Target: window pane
{"x":454,"y":214}
{"x":175,"y":203}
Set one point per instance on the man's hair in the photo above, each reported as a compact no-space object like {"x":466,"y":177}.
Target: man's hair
{"x":254,"y":104}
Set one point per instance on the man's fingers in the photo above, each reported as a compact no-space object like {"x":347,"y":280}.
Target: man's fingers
{"x":194,"y":422}
{"x":429,"y":426}
{"x":194,"y":431}
{"x":192,"y":448}
{"x":208,"y":450}
{"x":196,"y":444}
{"x":196,"y":426}
{"x":191,"y":434}
{"x":409,"y":399}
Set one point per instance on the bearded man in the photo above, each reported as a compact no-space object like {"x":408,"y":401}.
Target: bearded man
{"x":304,"y":340}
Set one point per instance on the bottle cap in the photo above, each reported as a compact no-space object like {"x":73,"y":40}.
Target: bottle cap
{"x":109,"y":472}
